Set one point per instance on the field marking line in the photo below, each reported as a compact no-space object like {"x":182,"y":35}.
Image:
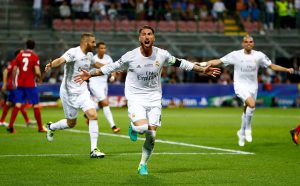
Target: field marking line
{"x":115,"y":154}
{"x":163,"y":141}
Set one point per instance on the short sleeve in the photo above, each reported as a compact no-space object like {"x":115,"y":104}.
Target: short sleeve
{"x":264,"y":60}
{"x":229,"y":58}
{"x":69,"y":55}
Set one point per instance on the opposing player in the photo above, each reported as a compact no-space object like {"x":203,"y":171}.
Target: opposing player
{"x":7,"y":86}
{"x":246,"y":63}
{"x":143,"y":87}
{"x":76,"y":96}
{"x":295,"y":133}
{"x":28,"y":67}
{"x":98,"y":85}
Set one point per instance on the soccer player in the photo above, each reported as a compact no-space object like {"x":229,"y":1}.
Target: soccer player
{"x":28,"y":67}
{"x":143,"y":87}
{"x":7,"y":86}
{"x":98,"y":85}
{"x":246,"y":63}
{"x":295,"y":133}
{"x":76,"y":96}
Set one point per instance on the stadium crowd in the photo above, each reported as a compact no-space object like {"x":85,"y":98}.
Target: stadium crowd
{"x":267,"y":14}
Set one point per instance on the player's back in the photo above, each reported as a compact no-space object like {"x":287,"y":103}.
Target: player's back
{"x":26,"y":62}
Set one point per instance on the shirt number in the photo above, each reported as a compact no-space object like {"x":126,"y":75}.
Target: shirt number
{"x":25,"y":66}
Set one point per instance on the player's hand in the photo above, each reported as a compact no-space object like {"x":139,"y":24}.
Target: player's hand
{"x":211,"y":71}
{"x":112,"y":79}
{"x":291,"y":70}
{"x":82,"y":76}
{"x":48,"y":66}
{"x":3,"y":88}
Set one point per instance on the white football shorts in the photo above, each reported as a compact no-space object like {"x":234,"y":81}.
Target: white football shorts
{"x":152,"y":114}
{"x":72,"y":103}
{"x":99,"y":90}
{"x":243,"y":93}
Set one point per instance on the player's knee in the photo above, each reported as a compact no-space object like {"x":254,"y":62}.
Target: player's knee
{"x":71,"y":123}
{"x":250,"y":111}
{"x":18,"y":105}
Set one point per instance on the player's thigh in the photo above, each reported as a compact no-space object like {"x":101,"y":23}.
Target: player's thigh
{"x":154,"y":116}
{"x":32,"y":95}
{"x":85,"y":102}
{"x":11,"y":96}
{"x":19,"y":95}
{"x":99,"y":91}
{"x":70,"y":110}
{"x":136,"y":112}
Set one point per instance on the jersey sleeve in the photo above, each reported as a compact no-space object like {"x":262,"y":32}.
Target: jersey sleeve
{"x":264,"y":60}
{"x":69,"y":55}
{"x":180,"y":63}
{"x":119,"y":65}
{"x":228,"y":59}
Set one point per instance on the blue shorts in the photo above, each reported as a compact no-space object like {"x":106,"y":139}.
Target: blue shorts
{"x":30,"y":94}
{"x":10,"y":96}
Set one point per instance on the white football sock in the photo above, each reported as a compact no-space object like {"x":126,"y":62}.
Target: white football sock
{"x":249,"y":114}
{"x":59,"y":125}
{"x":141,"y":129}
{"x":109,"y":117}
{"x":243,"y":124}
{"x":148,"y":146}
{"x":94,"y":133}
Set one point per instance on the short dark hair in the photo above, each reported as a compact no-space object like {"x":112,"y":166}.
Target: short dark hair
{"x":100,"y":43}
{"x":85,"y":35}
{"x":146,"y":27}
{"x":30,"y":44}
{"x":17,"y":52}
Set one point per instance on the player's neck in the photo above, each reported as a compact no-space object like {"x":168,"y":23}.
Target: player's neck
{"x":247,"y":51}
{"x":100,"y":56}
{"x":146,"y":52}
{"x":83,"y":49}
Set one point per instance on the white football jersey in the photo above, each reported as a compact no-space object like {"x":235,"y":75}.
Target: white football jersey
{"x":246,"y":67}
{"x":143,"y":82}
{"x":105,"y":60}
{"x":75,"y":60}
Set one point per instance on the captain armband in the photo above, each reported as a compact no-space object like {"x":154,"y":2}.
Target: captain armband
{"x":175,"y":62}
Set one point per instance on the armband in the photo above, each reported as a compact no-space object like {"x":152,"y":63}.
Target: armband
{"x":175,"y":62}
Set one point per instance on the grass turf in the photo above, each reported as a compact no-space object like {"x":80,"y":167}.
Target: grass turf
{"x":26,"y":158}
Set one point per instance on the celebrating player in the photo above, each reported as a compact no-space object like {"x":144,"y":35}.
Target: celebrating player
{"x":98,"y":85}
{"x":7,"y":86}
{"x":143,"y":87}
{"x":76,"y":96}
{"x":28,"y":66}
{"x":246,"y":63}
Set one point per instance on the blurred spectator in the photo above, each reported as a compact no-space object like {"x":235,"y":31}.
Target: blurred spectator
{"x":37,"y":12}
{"x":53,"y":78}
{"x":297,"y":9}
{"x":77,"y":6}
{"x":204,"y":16}
{"x":269,"y":22}
{"x":65,"y":10}
{"x":98,"y":10}
{"x":225,"y":78}
{"x":149,"y":9}
{"x":282,"y":10}
{"x":190,"y":10}
{"x":112,"y":12}
{"x":86,"y":9}
{"x":164,"y":75}
{"x":140,"y":9}
{"x":218,"y":10}
{"x":291,"y":14}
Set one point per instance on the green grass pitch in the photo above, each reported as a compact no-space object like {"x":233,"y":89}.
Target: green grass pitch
{"x":195,"y":146}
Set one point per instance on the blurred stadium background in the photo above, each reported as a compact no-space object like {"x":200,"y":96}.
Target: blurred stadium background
{"x":193,"y":29}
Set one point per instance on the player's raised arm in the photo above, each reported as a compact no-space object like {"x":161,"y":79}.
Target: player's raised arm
{"x":55,"y":63}
{"x":281,"y":69}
